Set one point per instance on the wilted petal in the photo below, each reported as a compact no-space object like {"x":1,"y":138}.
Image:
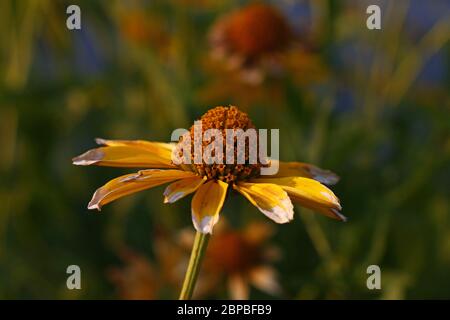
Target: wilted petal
{"x":206,"y":205}
{"x":270,"y":199}
{"x":301,"y":169}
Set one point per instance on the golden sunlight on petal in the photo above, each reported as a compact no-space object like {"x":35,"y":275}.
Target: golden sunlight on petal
{"x":310,"y":194}
{"x":206,"y":205}
{"x":131,"y":183}
{"x":270,"y":199}
{"x":238,"y":287}
{"x":179,"y":189}
{"x":160,"y":148}
{"x":301,"y":169}
{"x":128,"y":154}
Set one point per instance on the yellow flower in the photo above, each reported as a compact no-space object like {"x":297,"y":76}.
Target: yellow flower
{"x":210,"y":183}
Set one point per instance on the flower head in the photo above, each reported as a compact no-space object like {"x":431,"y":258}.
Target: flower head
{"x":210,"y":183}
{"x":253,"y":31}
{"x":251,"y":37}
{"x":223,"y":118}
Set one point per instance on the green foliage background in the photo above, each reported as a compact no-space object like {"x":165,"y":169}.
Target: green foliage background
{"x":381,"y":120}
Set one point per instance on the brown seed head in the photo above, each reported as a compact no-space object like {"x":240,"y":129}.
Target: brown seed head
{"x":256,"y":30}
{"x":223,"y":118}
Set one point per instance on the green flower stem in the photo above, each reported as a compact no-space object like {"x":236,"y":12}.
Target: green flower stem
{"x":197,"y":254}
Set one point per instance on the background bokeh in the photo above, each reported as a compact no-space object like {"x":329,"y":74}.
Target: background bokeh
{"x":372,"y":106}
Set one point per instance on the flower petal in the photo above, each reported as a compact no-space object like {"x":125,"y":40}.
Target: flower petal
{"x":156,"y":147}
{"x":179,"y":189}
{"x":206,"y":205}
{"x":269,"y":198}
{"x":310,"y":194}
{"x":301,"y":169}
{"x":122,"y":153}
{"x":131,"y":183}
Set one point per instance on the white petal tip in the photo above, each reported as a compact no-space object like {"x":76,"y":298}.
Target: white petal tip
{"x":94,"y":206}
{"x":174,"y":197}
{"x":324,"y":176}
{"x":284,"y":220}
{"x":288,"y":215}
{"x":206,"y":225}
{"x":82,"y":162}
{"x":281,"y":214}
{"x":328,"y":180}
{"x":90,"y":157}
{"x":100,"y":141}
{"x":339,"y":215}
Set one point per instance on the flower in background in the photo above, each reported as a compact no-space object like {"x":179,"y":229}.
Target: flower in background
{"x":241,"y":258}
{"x":249,"y":39}
{"x":138,"y":279}
{"x":257,"y":40}
{"x":252,"y":49}
{"x":235,"y":258}
{"x":210,"y":183}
